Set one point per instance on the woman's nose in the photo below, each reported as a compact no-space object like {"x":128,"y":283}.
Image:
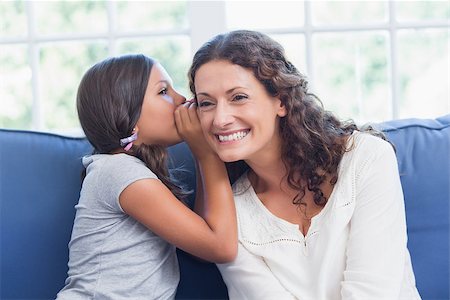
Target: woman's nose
{"x":223,"y":116}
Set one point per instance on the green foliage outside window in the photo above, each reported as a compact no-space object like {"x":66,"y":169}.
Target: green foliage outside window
{"x":62,"y":61}
{"x":352,"y":69}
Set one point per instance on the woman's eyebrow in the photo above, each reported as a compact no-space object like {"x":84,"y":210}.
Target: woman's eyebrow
{"x":227,"y":92}
{"x":233,"y":89}
{"x":203,"y":94}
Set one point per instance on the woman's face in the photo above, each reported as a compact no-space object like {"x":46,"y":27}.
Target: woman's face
{"x":156,"y":124}
{"x":239,"y":118}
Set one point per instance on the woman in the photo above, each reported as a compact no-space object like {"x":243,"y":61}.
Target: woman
{"x":319,"y":203}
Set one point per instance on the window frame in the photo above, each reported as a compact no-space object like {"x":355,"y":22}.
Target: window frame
{"x":213,"y":13}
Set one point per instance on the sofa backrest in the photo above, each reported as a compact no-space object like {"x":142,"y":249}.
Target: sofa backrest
{"x":39,"y":187}
{"x":40,"y":182}
{"x":423,"y":154}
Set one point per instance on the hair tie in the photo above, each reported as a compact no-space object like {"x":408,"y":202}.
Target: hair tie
{"x":128,"y":141}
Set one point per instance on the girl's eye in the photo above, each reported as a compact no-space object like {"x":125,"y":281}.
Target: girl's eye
{"x":239,"y":97}
{"x":163,"y":91}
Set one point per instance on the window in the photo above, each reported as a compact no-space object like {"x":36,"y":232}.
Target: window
{"x":366,"y":60}
{"x":46,"y":46}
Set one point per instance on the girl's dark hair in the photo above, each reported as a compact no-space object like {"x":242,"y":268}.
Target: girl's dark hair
{"x":109,"y":102}
{"x":313,"y":139}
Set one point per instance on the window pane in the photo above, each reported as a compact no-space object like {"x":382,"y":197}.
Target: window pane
{"x":264,"y":14}
{"x":351,"y":75}
{"x":423,"y":62}
{"x":62,"y":66}
{"x":151,"y":15}
{"x":13,"y":21}
{"x":15,"y":87}
{"x":348,"y":12}
{"x":294,"y":46}
{"x":56,"y":17}
{"x":422,"y":10}
{"x":173,"y":53}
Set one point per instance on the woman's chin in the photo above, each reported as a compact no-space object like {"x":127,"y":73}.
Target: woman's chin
{"x":229,"y":157}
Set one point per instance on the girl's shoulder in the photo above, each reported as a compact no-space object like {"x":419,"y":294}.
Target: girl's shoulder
{"x":116,"y":166}
{"x":107,"y":175}
{"x":111,"y":161}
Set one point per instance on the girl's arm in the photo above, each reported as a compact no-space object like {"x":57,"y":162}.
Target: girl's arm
{"x":376,"y":250}
{"x":213,"y":237}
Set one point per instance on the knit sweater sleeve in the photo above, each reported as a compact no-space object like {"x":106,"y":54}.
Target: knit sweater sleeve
{"x":249,"y":277}
{"x":376,"y":249}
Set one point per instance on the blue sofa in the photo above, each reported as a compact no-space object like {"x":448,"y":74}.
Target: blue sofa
{"x":40,"y":182}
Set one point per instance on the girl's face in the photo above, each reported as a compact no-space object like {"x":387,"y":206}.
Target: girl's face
{"x":239,"y":118}
{"x":156,"y":124}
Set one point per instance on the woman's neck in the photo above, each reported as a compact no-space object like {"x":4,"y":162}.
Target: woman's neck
{"x":267,"y":169}
{"x":268,"y":175}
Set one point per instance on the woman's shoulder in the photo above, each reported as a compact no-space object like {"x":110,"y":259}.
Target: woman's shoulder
{"x":365,"y":145}
{"x":363,"y":151}
{"x":362,"y":148}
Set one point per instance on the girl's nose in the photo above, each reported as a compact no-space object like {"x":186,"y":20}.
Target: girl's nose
{"x":179,"y":99}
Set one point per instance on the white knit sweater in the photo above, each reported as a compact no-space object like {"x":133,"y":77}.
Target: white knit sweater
{"x":354,"y":249}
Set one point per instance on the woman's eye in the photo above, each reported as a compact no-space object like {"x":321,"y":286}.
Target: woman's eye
{"x":239,"y":97}
{"x":163,"y":91}
{"x":204,"y":103}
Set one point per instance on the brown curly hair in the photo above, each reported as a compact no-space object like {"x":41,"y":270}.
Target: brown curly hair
{"x":313,"y":139}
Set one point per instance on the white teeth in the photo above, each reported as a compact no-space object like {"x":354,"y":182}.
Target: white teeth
{"x":233,"y":137}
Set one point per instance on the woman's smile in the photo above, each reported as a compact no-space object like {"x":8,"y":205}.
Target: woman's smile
{"x":232,"y":136}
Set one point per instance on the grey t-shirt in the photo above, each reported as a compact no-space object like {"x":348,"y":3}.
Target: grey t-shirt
{"x":111,"y":255}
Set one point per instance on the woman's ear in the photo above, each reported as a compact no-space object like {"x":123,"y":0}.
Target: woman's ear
{"x":282,"y":112}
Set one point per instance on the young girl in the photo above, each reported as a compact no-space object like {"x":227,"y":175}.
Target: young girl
{"x":128,"y":218}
